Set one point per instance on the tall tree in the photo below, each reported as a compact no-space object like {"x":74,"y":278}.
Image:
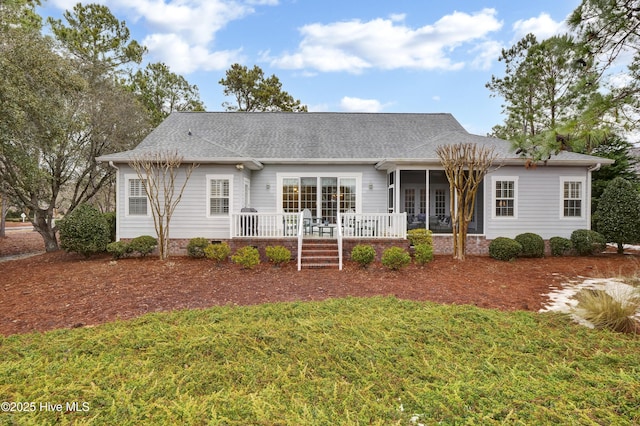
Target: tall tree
{"x":55,"y":119}
{"x":162,"y":92}
{"x":253,"y":92}
{"x":546,"y":86}
{"x":610,"y":32}
{"x":100,"y":42}
{"x":465,"y":165}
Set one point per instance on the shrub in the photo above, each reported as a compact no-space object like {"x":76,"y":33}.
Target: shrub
{"x":532,"y":244}
{"x":503,"y":248}
{"x":111,"y":221}
{"x":618,"y":214}
{"x":246,"y":256}
{"x":278,"y":254}
{"x":84,"y":231}
{"x":420,"y":236}
{"x":587,"y":242}
{"x":395,"y":258}
{"x":606,"y":311}
{"x":423,"y":253}
{"x":218,"y":252}
{"x":143,"y":244}
{"x":196,"y":246}
{"x":560,"y":246}
{"x":118,"y":249}
{"x":363,"y":254}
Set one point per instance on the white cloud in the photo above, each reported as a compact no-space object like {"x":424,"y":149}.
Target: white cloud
{"x":349,"y":104}
{"x":488,"y":52}
{"x":542,"y":27}
{"x":181,"y":32}
{"x":183,"y":58}
{"x":436,"y":98}
{"x":354,"y":46}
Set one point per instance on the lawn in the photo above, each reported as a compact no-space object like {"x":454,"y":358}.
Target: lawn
{"x":377,"y":360}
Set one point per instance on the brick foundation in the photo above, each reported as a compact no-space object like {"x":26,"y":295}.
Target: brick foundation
{"x":442,"y":245}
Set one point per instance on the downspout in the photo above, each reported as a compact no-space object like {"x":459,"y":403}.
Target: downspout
{"x":590,"y":170}
{"x":117,"y":199}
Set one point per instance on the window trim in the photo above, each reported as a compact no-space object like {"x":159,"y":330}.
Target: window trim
{"x":494,"y":180}
{"x":128,"y":178}
{"x":209,"y":178}
{"x":583,"y":188}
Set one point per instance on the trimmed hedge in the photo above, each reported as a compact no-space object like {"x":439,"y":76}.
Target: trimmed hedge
{"x":278,"y":254}
{"x":248,"y":257}
{"x":218,"y":252}
{"x":503,"y":248}
{"x":143,"y":244}
{"x":423,"y":253}
{"x":395,"y":258}
{"x":420,"y":236}
{"x":560,"y":246}
{"x":587,"y":242}
{"x":532,"y":244}
{"x":85,"y":230}
{"x":196,"y":246}
{"x":363,"y":254}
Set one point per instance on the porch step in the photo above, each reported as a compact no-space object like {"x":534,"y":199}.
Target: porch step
{"x":319,"y":254}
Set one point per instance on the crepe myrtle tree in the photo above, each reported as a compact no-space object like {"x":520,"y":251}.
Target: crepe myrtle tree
{"x":465,"y":165}
{"x":159,"y":172}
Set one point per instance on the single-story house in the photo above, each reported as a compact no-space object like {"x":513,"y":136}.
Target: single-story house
{"x":348,"y":177}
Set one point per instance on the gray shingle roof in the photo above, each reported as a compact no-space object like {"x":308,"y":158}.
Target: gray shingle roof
{"x":278,"y":137}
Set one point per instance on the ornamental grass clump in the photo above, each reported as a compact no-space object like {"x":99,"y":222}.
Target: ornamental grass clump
{"x":395,"y":258}
{"x":615,"y":312}
{"x":363,"y":254}
{"x":248,"y":257}
{"x":503,"y":248}
{"x":278,"y":254}
{"x":218,"y":252}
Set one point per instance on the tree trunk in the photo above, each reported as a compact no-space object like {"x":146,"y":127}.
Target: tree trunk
{"x":44,"y":224}
{"x":3,"y":215}
{"x":620,"y":248}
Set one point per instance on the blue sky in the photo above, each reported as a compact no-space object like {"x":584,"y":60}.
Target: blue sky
{"x":347,"y":55}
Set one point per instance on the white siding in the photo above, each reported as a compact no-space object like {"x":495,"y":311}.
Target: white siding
{"x":538,"y":203}
{"x":190,"y":218}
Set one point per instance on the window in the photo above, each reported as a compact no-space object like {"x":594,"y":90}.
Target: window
{"x":440,"y":207}
{"x":409,"y":200}
{"x":219,"y":197}
{"x":137,"y":199}
{"x":572,"y":197}
{"x":505,"y":197}
{"x":322,"y":195}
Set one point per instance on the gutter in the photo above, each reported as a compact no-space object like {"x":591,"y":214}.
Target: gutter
{"x":594,"y":168}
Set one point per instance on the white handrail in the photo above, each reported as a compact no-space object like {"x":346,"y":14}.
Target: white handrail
{"x":339,"y":222}
{"x":300,"y":235}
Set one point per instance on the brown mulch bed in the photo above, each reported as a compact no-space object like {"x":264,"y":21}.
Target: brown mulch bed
{"x":60,"y":290}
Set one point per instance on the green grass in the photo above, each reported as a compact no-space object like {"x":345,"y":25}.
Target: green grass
{"x":346,"y":361}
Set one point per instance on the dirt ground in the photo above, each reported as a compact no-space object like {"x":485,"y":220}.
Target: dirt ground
{"x":60,"y":290}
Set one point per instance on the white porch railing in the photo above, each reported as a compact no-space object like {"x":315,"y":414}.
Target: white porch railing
{"x":300,"y":235}
{"x":374,"y":225}
{"x":264,"y":225}
{"x":339,"y":220}
{"x":288,"y":225}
